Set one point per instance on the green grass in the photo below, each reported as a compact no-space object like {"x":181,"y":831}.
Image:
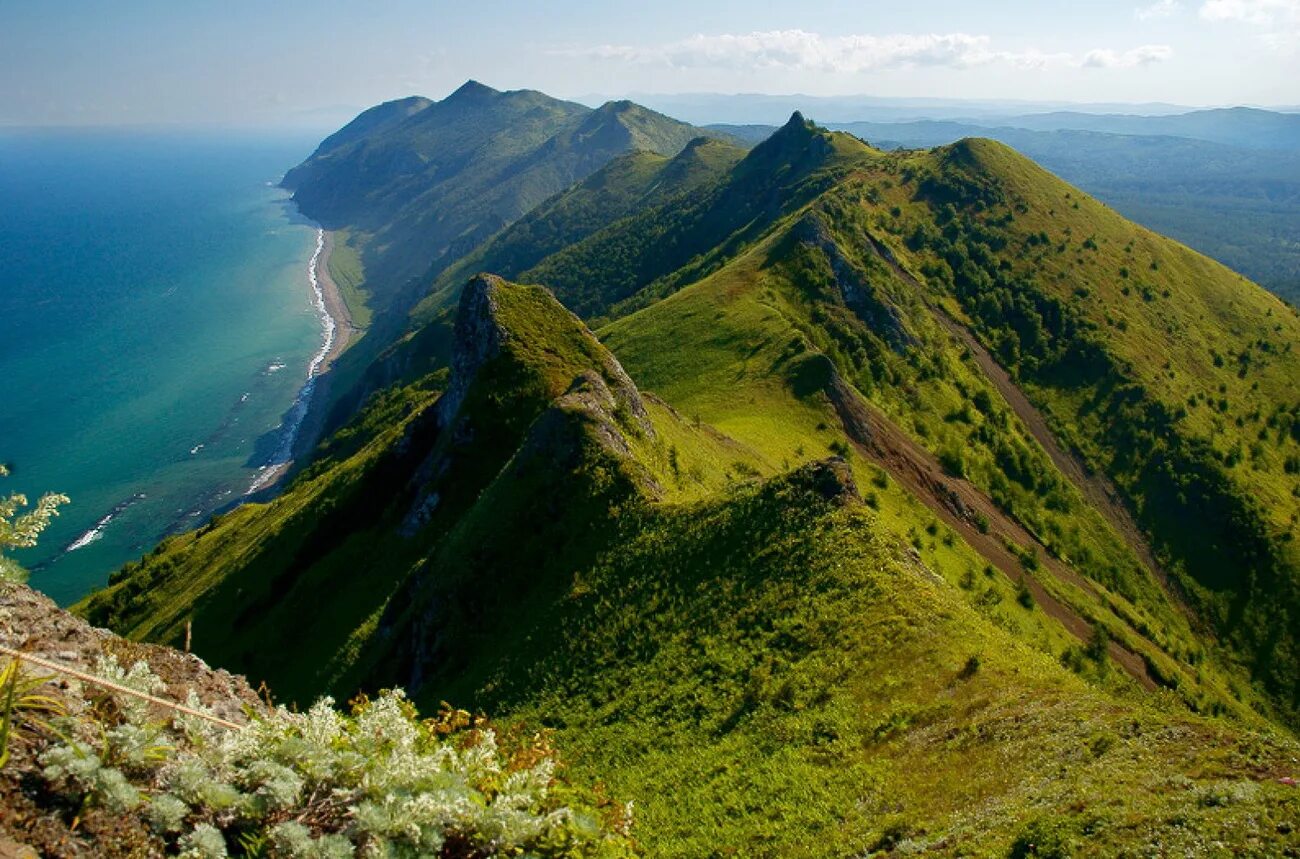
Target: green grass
{"x":767,"y":675}
{"x":697,"y":603}
{"x":349,"y":275}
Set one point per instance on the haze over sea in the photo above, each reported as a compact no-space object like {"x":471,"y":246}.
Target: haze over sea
{"x":155,"y":325}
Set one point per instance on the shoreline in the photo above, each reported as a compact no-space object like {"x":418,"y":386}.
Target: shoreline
{"x":345,"y":332}
{"x":344,"y":328}
{"x":305,"y":415}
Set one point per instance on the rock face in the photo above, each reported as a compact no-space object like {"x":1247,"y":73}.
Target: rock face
{"x":859,"y":294}
{"x":30,"y":824}
{"x":30,"y":622}
{"x":478,"y":338}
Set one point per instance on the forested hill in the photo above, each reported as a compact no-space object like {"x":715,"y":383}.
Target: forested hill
{"x":426,"y":182}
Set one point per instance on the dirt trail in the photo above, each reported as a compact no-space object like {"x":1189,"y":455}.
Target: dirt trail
{"x":959,"y":505}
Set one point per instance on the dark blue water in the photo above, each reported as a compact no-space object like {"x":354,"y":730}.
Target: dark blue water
{"x":155,"y":326}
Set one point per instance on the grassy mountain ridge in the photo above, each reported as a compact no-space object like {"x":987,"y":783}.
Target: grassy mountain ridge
{"x":426,"y":184}
{"x":524,"y":371}
{"x":1232,"y":203}
{"x":681,"y":240}
{"x":864,"y":521}
{"x":738,"y":654}
{"x":620,"y":189}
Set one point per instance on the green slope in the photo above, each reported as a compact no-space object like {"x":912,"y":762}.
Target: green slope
{"x":621,"y":189}
{"x":760,"y":664}
{"x":388,"y":495}
{"x":372,"y":121}
{"x":1040,"y":595}
{"x":427,"y":183}
{"x":682,"y":240}
{"x":1074,"y":301}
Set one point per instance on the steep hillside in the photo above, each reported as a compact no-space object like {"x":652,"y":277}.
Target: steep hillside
{"x":745,"y":647}
{"x":623,"y":188}
{"x":421,"y":185}
{"x":372,"y":122}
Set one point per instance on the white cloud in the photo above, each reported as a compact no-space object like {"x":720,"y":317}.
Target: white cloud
{"x":1278,"y":19}
{"x":1265,"y":12}
{"x":1145,"y":55}
{"x":1158,"y":9}
{"x":799,"y":50}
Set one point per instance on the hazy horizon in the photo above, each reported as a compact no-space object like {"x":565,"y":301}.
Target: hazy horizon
{"x":295,"y":63}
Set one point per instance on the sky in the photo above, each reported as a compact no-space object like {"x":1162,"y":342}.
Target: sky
{"x":288,"y":62}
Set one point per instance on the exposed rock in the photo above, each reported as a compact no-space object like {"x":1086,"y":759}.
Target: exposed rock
{"x":831,"y":478}
{"x":478,"y":338}
{"x":34,"y":823}
{"x":859,"y":294}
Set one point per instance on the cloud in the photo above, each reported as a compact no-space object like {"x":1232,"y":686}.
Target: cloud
{"x":1158,"y":9}
{"x":799,"y":50}
{"x":1279,"y":19}
{"x":1266,"y":12}
{"x":1145,"y":55}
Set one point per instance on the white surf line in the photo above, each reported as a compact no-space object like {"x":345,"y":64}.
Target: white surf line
{"x":97,"y":532}
{"x":298,"y":412}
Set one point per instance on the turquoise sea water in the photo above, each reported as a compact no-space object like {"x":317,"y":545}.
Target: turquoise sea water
{"x":155,"y":326}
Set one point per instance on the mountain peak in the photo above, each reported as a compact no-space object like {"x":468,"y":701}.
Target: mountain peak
{"x":477,"y":339}
{"x":797,"y":142}
{"x":619,"y":106}
{"x":472,"y":89}
{"x":797,"y":130}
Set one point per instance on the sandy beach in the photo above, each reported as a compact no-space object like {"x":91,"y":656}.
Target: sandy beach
{"x":344,"y":333}
{"x":335,"y":306}
{"x":307,"y":415}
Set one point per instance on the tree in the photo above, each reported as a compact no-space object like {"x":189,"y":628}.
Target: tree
{"x":18,"y":530}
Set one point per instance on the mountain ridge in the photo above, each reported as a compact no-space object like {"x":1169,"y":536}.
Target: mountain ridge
{"x":858,"y":480}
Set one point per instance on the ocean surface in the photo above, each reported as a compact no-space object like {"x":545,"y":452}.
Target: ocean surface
{"x":156,"y":325}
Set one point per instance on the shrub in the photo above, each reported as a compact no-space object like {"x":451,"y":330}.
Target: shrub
{"x":1049,"y":838}
{"x":19,"y":530}
{"x":954,"y":464}
{"x":378,"y":781}
{"x":1024,"y":595}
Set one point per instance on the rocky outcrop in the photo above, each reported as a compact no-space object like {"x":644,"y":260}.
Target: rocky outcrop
{"x":858,"y":292}
{"x":477,"y":339}
{"x":831,"y":478}
{"x":34,"y":822}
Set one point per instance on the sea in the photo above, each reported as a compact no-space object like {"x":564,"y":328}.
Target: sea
{"x":157,"y":325}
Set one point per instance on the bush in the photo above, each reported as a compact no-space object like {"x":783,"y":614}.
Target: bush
{"x":1049,"y":838}
{"x":379,"y":781}
{"x":954,"y":464}
{"x":1024,"y":595}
